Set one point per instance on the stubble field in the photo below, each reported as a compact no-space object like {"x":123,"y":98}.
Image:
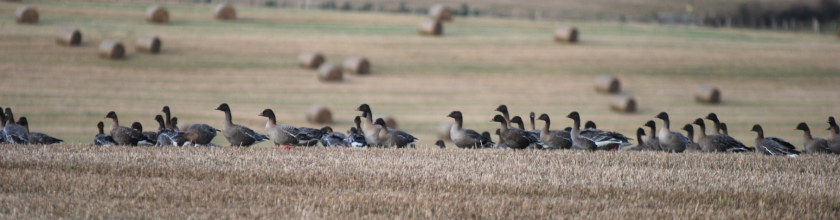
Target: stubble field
{"x":773,"y":79}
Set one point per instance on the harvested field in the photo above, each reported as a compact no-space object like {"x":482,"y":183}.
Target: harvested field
{"x":775,"y":79}
{"x":124,"y":182}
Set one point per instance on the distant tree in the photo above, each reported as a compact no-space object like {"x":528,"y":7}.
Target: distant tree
{"x":270,"y":3}
{"x":346,"y":6}
{"x":367,"y":7}
{"x":464,"y":11}
{"x":403,"y":8}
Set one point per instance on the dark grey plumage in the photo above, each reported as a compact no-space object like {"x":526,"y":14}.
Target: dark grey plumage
{"x":554,"y":139}
{"x":2,"y":126}
{"x":198,"y":135}
{"x":773,"y":146}
{"x":466,"y":138}
{"x":717,"y":143}
{"x":511,"y":137}
{"x":124,"y":135}
{"x":309,"y":137}
{"x":103,"y":139}
{"x":15,"y":134}
{"x":36,"y":137}
{"x":535,"y":134}
{"x":692,"y":146}
{"x":333,"y":139}
{"x":651,"y":141}
{"x":833,"y":136}
{"x":394,"y":137}
{"x":440,"y":144}
{"x":238,"y":135}
{"x":166,"y":136}
{"x":813,"y":145}
{"x":641,"y":146}
{"x":670,"y":141}
{"x":149,"y":135}
{"x":579,"y":142}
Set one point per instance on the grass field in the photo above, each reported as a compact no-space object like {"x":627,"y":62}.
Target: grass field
{"x":771,"y":78}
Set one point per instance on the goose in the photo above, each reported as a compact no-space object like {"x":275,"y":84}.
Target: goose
{"x":554,"y":139}
{"x":124,"y":135}
{"x":166,"y":135}
{"x":641,"y":146}
{"x":197,"y":135}
{"x":503,"y":109}
{"x":651,"y":140}
{"x":589,"y":125}
{"x":15,"y":134}
{"x":238,"y":135}
{"x":716,"y":143}
{"x":513,"y":138}
{"x":149,"y":135}
{"x":282,"y":134}
{"x":670,"y":141}
{"x":773,"y":146}
{"x":604,"y":140}
{"x":501,"y":144}
{"x":166,"y":112}
{"x":568,"y":129}
{"x":716,"y":126}
{"x":103,"y":139}
{"x":309,"y":137}
{"x":440,"y":144}
{"x":813,"y":145}
{"x":692,"y":146}
{"x":393,"y":137}
{"x":333,"y":139}
{"x":580,"y":142}
{"x":533,"y":122}
{"x":2,"y":125}
{"x":600,"y":137}
{"x":36,"y":137}
{"x":466,"y":138}
{"x":355,"y":136}
{"x":486,"y":134}
{"x":833,"y":136}
{"x":370,"y":130}
{"x":723,"y":129}
{"x":534,"y":133}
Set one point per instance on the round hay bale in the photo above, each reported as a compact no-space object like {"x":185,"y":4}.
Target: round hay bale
{"x":431,"y":27}
{"x":311,"y":60}
{"x":707,"y":94}
{"x":26,"y":15}
{"x":319,"y":114}
{"x":440,"y":12}
{"x":623,"y":104}
{"x":566,"y":34}
{"x":389,"y":120}
{"x":607,"y":84}
{"x":157,"y":14}
{"x":68,"y":37}
{"x":148,"y":44}
{"x":357,"y":65}
{"x":225,"y":11}
{"x":443,"y":131}
{"x":111,"y":49}
{"x":329,"y":73}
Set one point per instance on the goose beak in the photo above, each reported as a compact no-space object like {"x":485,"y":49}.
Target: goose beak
{"x":656,"y":116}
{"x":357,"y":109}
{"x":260,"y":114}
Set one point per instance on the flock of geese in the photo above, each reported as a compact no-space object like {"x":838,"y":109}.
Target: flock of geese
{"x":375,"y":133}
